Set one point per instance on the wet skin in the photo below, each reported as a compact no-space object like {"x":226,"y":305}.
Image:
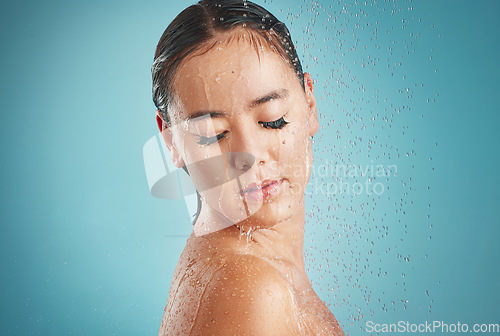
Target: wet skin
{"x":242,"y":270}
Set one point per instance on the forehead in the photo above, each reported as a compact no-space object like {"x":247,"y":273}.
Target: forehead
{"x":230,"y":70}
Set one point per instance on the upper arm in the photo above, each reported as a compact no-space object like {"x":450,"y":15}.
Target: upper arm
{"x":245,"y":297}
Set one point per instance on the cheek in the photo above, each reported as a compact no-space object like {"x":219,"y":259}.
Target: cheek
{"x":207,"y":171}
{"x":227,"y":200}
{"x":194,"y":153}
{"x":217,"y":186}
{"x":294,"y":152}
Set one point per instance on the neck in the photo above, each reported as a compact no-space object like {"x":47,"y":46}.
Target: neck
{"x":282,"y":242}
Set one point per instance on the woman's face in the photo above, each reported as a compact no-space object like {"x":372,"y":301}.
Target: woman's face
{"x":241,"y":123}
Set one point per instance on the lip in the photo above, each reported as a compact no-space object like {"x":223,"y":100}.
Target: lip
{"x":267,"y":189}
{"x":251,"y":188}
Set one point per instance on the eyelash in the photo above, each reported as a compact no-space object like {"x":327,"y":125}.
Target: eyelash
{"x":276,"y":124}
{"x":207,"y":141}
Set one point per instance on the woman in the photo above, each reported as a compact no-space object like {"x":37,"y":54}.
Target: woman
{"x":237,"y":113}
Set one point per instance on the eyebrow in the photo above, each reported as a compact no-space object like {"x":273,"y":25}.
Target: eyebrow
{"x":277,"y":94}
{"x":199,"y":115}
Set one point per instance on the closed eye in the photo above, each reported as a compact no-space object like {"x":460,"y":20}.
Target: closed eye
{"x":207,"y":141}
{"x":277,"y":124}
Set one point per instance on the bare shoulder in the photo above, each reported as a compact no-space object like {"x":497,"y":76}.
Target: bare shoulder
{"x":220,"y":290}
{"x":246,"y":296}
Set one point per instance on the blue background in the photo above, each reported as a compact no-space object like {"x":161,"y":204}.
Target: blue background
{"x":86,"y":250}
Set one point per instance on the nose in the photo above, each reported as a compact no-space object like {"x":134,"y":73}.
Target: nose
{"x":247,"y":148}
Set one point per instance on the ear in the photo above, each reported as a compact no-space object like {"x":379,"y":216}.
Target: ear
{"x":312,"y":118}
{"x":166,"y":133}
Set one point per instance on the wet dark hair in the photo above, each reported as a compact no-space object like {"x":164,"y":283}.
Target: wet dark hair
{"x":202,"y":22}
{"x":197,"y":25}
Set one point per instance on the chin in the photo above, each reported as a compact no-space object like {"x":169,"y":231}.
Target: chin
{"x":256,"y":213}
{"x":272,"y":213}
